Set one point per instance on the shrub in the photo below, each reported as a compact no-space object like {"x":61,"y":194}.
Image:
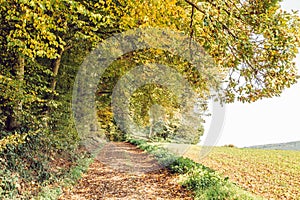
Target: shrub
{"x":199,"y":179}
{"x":182,"y":165}
{"x":8,"y":184}
{"x":216,"y":192}
{"x":229,"y":145}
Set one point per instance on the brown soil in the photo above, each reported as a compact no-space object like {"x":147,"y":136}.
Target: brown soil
{"x":122,"y":171}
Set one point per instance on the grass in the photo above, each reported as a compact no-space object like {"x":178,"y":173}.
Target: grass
{"x":203,"y":181}
{"x":273,"y":174}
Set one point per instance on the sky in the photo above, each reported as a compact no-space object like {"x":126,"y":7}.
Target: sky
{"x":267,"y":121}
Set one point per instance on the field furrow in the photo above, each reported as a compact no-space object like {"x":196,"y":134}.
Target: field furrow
{"x":273,"y":174}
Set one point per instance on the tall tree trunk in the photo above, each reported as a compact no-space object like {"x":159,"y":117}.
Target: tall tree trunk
{"x":150,"y":129}
{"x":55,"y":68}
{"x":14,"y":120}
{"x":56,"y":65}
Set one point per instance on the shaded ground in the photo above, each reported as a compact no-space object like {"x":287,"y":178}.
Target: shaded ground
{"x":122,"y":171}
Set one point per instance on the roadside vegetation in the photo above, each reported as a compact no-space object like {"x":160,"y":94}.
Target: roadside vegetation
{"x":205,"y":182}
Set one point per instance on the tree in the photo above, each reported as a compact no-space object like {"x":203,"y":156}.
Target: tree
{"x":40,"y":32}
{"x":253,"y":40}
{"x":164,"y":91}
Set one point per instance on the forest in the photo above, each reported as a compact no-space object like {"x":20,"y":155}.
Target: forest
{"x":45,"y":44}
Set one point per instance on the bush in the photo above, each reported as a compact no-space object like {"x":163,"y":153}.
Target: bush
{"x":199,"y":179}
{"x":216,"y":192}
{"x":229,"y":145}
{"x":8,"y":184}
{"x":136,"y":142}
{"x":182,"y":165}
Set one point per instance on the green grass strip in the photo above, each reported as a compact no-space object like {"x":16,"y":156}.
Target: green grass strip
{"x":203,"y":181}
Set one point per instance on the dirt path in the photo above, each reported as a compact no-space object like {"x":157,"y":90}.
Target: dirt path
{"x":122,"y":171}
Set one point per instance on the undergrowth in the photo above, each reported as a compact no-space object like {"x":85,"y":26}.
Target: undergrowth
{"x":31,"y":169}
{"x":70,"y":179}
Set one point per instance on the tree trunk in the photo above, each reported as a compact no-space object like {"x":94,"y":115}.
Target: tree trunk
{"x":14,"y":120}
{"x":150,"y":129}
{"x":55,"y":68}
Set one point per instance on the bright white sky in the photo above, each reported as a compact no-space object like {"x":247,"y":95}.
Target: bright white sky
{"x":267,"y":121}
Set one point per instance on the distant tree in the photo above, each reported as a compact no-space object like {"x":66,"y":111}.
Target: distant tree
{"x":229,"y":145}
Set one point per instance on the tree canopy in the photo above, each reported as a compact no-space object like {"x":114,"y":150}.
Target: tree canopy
{"x":252,"y":42}
{"x":255,"y":41}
